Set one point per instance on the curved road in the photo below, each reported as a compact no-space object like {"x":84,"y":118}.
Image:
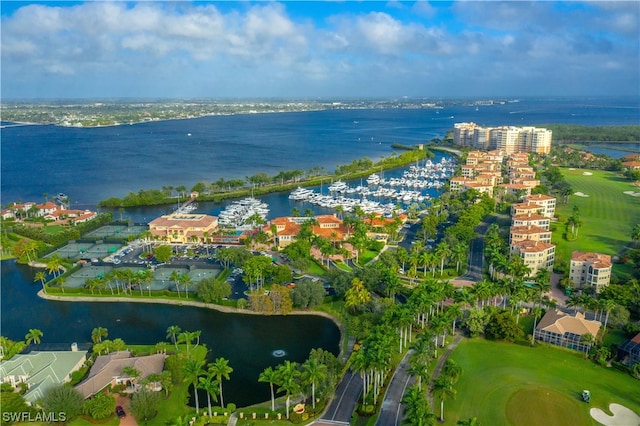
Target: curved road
{"x":391,"y":412}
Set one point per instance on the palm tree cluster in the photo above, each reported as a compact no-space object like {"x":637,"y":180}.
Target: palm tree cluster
{"x":315,"y":378}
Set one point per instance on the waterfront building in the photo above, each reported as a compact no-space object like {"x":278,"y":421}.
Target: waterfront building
{"x":41,"y":371}
{"x":546,"y":201}
{"x":182,"y":228}
{"x":509,"y":139}
{"x":109,"y":370}
{"x":566,"y":330}
{"x":536,"y":255}
{"x":457,"y":183}
{"x":590,"y":270}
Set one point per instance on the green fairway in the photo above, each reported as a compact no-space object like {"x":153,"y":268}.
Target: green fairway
{"x":607,"y":214}
{"x":503,"y":383}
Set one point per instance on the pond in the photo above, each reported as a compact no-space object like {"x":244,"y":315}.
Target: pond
{"x":250,"y":342}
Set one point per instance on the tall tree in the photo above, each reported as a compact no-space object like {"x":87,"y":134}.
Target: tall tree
{"x":442,"y":390}
{"x":288,"y":380}
{"x":221,"y":369}
{"x":172,"y":333}
{"x":416,"y":408}
{"x":192,"y":370}
{"x":42,"y":277}
{"x":209,"y":384}
{"x":313,"y":372}
{"x":269,"y":375}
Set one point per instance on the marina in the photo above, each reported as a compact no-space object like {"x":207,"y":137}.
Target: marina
{"x":381,"y":195}
{"x":243,"y":214}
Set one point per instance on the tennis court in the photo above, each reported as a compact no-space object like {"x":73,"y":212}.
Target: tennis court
{"x":79,"y":278}
{"x":72,"y":250}
{"x":162,"y":278}
{"x":117,"y":231}
{"x":100,"y":250}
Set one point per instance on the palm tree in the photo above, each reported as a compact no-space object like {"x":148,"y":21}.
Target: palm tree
{"x":185,"y":279}
{"x":442,"y":252}
{"x":287,"y":380}
{"x":132,"y":373}
{"x":442,"y":390}
{"x":175,"y":277}
{"x":587,"y":340}
{"x":209,"y":384}
{"x":192,"y":370}
{"x":221,"y":369}
{"x":416,"y":408}
{"x":34,"y":336}
{"x":53,"y":265}
{"x":312,"y":372}
{"x":419,"y":369}
{"x":186,"y":337}
{"x":42,"y":277}
{"x":62,"y":282}
{"x":98,"y":333}
{"x":172,"y":333}
{"x":608,"y":306}
{"x":269,"y":375}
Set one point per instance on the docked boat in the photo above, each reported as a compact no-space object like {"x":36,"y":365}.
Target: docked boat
{"x":243,"y":213}
{"x":300,"y":194}
{"x":373,"y":179}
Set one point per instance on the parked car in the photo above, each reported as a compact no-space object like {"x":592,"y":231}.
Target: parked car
{"x":120,"y":411}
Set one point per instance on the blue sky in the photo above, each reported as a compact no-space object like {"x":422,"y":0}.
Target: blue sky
{"x":303,"y":49}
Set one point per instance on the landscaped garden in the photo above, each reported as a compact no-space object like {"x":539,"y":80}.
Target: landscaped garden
{"x":507,"y":383}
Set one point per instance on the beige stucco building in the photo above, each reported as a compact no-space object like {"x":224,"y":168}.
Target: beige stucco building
{"x":590,"y":270}
{"x":183,"y":228}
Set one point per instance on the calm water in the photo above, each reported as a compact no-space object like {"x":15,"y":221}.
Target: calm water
{"x":246,"y":340}
{"x":613,"y":150}
{"x":93,"y":164}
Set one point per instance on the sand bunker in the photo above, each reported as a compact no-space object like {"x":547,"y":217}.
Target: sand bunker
{"x":633,"y":194}
{"x":587,"y":173}
{"x":572,"y":168}
{"x":622,"y":416}
{"x":580,"y":194}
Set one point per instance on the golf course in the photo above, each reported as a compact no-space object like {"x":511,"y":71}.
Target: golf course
{"x":504,"y":383}
{"x":609,"y":207}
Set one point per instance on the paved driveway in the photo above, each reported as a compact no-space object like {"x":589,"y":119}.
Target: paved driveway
{"x":127,"y":420}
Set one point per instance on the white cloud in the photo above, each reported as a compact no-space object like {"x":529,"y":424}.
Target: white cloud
{"x":250,"y":46}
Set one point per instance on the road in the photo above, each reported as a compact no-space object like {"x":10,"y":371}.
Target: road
{"x":391,"y":412}
{"x":476,"y":252}
{"x":344,"y":402}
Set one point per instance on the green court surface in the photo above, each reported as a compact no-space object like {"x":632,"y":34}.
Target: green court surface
{"x":503,"y":383}
{"x":79,"y":278}
{"x":116,"y":231}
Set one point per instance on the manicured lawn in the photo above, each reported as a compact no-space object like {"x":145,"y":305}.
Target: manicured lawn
{"x":504,"y":383}
{"x":607,"y":214}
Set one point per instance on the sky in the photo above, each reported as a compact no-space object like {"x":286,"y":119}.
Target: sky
{"x":327,"y":49}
